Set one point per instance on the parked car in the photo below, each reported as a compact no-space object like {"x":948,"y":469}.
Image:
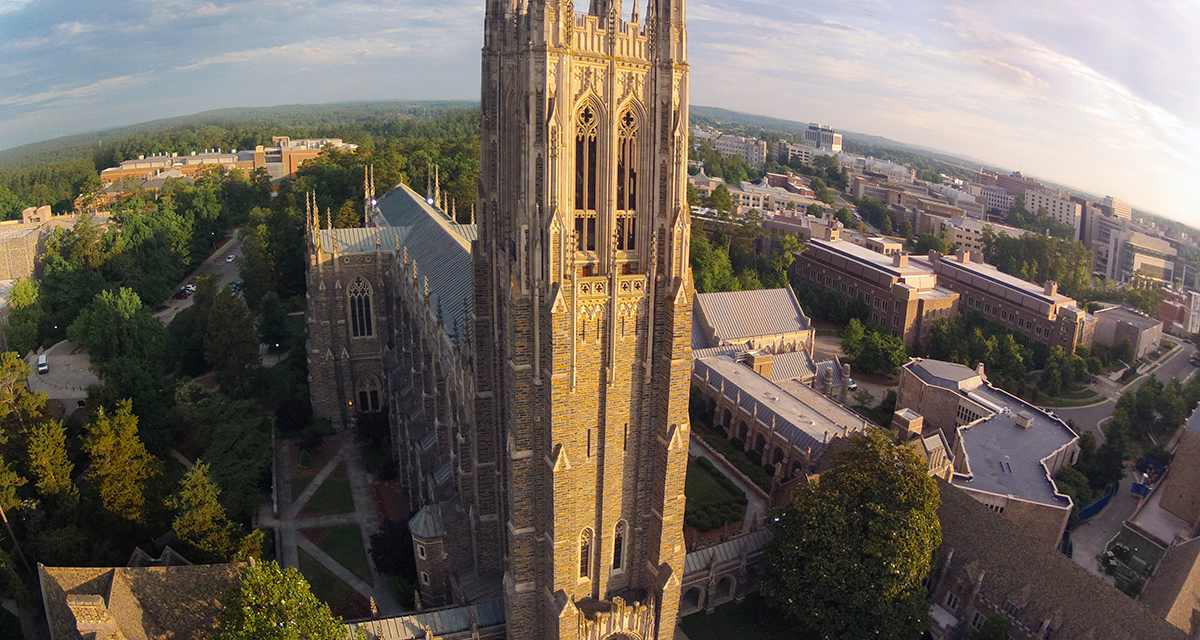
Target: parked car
{"x":853,"y":385}
{"x":182,"y":294}
{"x":43,"y":366}
{"x":229,"y":258}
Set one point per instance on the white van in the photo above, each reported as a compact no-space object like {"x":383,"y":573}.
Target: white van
{"x":43,"y":367}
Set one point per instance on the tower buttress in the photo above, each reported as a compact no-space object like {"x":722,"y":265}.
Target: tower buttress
{"x":582,"y":321}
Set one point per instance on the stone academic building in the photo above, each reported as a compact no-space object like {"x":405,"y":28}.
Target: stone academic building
{"x":534,"y":365}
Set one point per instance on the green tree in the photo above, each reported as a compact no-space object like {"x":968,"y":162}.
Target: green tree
{"x":929,"y":242}
{"x":881,"y":354}
{"x":121,"y":467}
{"x":815,"y":211}
{"x":10,"y":205}
{"x":845,"y":217}
{"x":272,"y":603}
{"x":118,"y":324}
{"x":199,"y":518}
{"x":693,"y":196}
{"x":721,"y":200}
{"x":25,"y":316}
{"x":853,"y":338}
{"x":272,"y":317}
{"x":20,"y":408}
{"x":10,"y":481}
{"x":995,"y":628}
{"x":231,"y":344}
{"x":711,"y":270}
{"x":49,"y":463}
{"x":850,"y":552}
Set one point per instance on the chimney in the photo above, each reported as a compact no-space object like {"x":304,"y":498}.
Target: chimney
{"x":900,"y":259}
{"x":845,"y":390}
{"x":934,"y":256}
{"x":963,"y":256}
{"x":91,"y":615}
{"x":907,"y":423}
{"x":979,"y":370}
{"x":1051,"y":288}
{"x":760,"y":361}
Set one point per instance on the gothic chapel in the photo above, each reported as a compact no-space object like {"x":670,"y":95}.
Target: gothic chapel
{"x":534,"y":365}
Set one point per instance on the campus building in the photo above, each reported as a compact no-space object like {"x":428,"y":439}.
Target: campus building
{"x":1056,"y":204}
{"x":1041,"y":313}
{"x":988,"y":566}
{"x":904,"y":297}
{"x":823,"y":137}
{"x":968,"y":233}
{"x":280,"y":160}
{"x":1006,"y":451}
{"x":1121,"y":322}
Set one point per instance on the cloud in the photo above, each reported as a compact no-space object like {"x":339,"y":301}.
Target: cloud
{"x":1098,"y":95}
{"x":74,"y":93}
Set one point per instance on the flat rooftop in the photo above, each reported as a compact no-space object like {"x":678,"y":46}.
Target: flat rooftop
{"x":872,"y":259}
{"x":1129,"y":316}
{"x":801,"y":423}
{"x":1157,"y":522}
{"x":992,"y":274}
{"x":1006,"y":459}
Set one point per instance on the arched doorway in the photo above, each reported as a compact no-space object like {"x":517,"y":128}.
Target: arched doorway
{"x":777,"y":456}
{"x":760,"y":443}
{"x":691,"y":599}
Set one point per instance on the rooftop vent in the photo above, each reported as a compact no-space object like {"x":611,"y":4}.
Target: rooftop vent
{"x":1024,"y":419}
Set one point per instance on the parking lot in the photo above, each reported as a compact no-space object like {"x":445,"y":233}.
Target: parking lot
{"x":69,"y":376}
{"x":217,"y":264}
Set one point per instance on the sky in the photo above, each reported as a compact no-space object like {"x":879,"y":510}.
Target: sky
{"x":1102,"y":95}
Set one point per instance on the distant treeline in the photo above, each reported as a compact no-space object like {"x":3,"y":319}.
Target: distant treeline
{"x":55,"y":172}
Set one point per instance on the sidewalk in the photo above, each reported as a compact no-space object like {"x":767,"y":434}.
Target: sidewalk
{"x":291,"y":538}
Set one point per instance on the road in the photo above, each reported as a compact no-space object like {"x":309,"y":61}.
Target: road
{"x":216,"y":264}
{"x":1090,"y":418}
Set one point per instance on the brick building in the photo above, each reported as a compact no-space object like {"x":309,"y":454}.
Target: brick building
{"x":1121,"y":322}
{"x":904,"y":297}
{"x":988,"y":566}
{"x":1041,"y":313}
{"x":280,"y":160}
{"x":535,"y":368}
{"x":1005,"y":450}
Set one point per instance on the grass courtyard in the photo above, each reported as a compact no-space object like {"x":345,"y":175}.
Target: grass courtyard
{"x":344,"y":544}
{"x":330,"y":589}
{"x":712,"y":499}
{"x":746,"y":620}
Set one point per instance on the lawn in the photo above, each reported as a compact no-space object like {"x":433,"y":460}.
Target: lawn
{"x":299,"y":484}
{"x":330,"y":589}
{"x":344,"y":544}
{"x":747,"y":620}
{"x":704,"y":488}
{"x":735,"y":456}
{"x":712,"y":499}
{"x":331,"y":498}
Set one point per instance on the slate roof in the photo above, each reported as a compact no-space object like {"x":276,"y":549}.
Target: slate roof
{"x":941,"y":373}
{"x":737,"y":315}
{"x":1014,"y":565}
{"x":440,"y":247}
{"x":796,"y":365}
{"x":149,"y":603}
{"x":1174,"y":590}
{"x":727,"y":551}
{"x":807,"y":423}
{"x":441,"y":622}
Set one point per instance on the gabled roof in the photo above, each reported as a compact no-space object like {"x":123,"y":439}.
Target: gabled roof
{"x":440,"y":246}
{"x":1174,"y":591}
{"x":737,"y":315}
{"x":442,"y":622}
{"x":1014,"y":565}
{"x":149,"y":603}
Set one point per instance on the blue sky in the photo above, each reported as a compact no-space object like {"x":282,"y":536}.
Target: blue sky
{"x":1101,"y":95}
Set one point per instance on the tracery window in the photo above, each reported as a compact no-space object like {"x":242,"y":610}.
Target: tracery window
{"x":360,"y":309}
{"x":587,"y":175}
{"x":368,"y":394}
{"x":619,"y":547}
{"x":585,"y":554}
{"x":627,"y":182}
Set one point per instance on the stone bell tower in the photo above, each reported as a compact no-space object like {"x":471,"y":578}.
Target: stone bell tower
{"x":583,"y":303}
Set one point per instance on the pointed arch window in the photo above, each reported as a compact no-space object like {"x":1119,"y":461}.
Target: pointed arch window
{"x":627,"y":182}
{"x":587,"y":175}
{"x":368,"y":394}
{"x":585,"y":554}
{"x":359,"y":295}
{"x":618,"y":563}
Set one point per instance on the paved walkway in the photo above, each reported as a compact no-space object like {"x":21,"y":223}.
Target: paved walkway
{"x":756,"y":506}
{"x":1090,"y":538}
{"x":290,"y":526}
